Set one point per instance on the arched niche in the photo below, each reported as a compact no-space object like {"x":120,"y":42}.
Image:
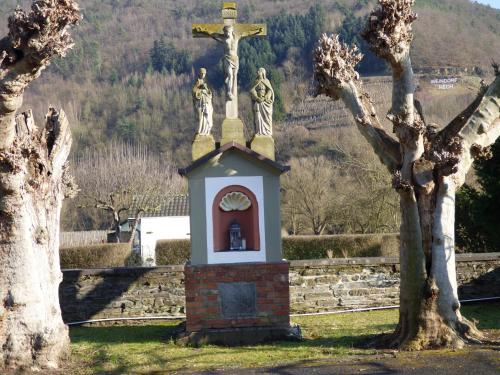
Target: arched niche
{"x":248,"y":220}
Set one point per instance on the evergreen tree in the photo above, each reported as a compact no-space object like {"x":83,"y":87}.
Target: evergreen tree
{"x":478,"y":225}
{"x":165,"y":58}
{"x":286,"y":31}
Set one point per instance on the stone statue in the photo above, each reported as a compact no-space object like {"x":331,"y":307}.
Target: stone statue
{"x":262,"y":94}
{"x":202,"y":100}
{"x":229,"y":32}
{"x":230,"y":39}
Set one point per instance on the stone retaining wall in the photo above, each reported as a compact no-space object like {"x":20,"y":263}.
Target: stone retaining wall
{"x":315,"y":286}
{"x":122,"y":292}
{"x":320,"y":286}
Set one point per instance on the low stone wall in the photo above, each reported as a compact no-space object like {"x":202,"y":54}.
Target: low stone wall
{"x":122,"y":292}
{"x":315,"y":286}
{"x":340,"y":284}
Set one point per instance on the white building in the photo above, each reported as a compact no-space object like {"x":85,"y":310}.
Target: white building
{"x":164,"y":218}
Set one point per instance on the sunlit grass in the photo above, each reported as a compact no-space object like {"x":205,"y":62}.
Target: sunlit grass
{"x":147,"y":349}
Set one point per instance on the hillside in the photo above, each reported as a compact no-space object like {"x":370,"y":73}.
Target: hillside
{"x":449,"y":32}
{"x":110,"y":90}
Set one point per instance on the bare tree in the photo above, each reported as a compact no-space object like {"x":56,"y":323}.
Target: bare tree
{"x":349,"y":195}
{"x":124,"y":181}
{"x":367,"y":204}
{"x":33,"y":184}
{"x":428,"y":166}
{"x":309,"y":193}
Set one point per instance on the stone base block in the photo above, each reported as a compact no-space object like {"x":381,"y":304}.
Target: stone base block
{"x":231,"y":296}
{"x":239,"y":336}
{"x":202,"y":145}
{"x":233,"y":130}
{"x":264,"y":145}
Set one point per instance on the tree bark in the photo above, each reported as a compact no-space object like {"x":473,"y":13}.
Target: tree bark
{"x":33,"y":183}
{"x":428,"y":167}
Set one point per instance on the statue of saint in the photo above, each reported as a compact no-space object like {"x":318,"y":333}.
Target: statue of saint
{"x":202,"y":100}
{"x":262,"y":94}
{"x":230,"y":39}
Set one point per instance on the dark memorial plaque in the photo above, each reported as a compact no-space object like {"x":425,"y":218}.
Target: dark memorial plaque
{"x":238,"y":300}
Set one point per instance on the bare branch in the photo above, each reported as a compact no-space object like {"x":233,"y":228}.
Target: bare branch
{"x":103,"y":206}
{"x":482,"y":128}
{"x":389,"y":33}
{"x":389,"y":30}
{"x":122,"y":210}
{"x":457,"y":124}
{"x":336,"y":76}
{"x":468,"y":136}
{"x":34,"y":38}
{"x":334,"y":65}
{"x":445,"y":148}
{"x":43,"y":32}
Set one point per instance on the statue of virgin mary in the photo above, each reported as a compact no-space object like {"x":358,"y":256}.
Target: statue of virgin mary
{"x":262,"y":95}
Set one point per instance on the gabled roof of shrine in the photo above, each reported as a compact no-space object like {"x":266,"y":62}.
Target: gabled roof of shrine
{"x":229,"y":147}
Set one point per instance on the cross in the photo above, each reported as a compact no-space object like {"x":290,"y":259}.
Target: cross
{"x":229,"y":34}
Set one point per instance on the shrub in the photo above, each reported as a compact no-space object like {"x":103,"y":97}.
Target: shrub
{"x":170,"y":252}
{"x":97,"y":256}
{"x":301,"y":247}
{"x":390,"y":245}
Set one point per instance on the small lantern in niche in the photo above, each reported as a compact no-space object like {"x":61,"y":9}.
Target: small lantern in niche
{"x":235,"y":241}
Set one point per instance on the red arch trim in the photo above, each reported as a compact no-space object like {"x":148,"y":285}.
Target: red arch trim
{"x":249,"y":220}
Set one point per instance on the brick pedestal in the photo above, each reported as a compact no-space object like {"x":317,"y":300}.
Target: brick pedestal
{"x":237,"y":303}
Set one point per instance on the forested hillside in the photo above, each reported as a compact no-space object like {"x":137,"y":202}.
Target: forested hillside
{"x":114,"y":83}
{"x":129,"y":77}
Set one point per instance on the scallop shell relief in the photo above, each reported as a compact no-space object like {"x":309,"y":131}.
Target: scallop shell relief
{"x":235,"y":201}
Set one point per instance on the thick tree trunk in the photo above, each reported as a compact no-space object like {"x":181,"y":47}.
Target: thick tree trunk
{"x":438,"y":321}
{"x":33,"y":184}
{"x":430,"y":310}
{"x":443,"y":269}
{"x":412,"y":266}
{"x":453,"y":330}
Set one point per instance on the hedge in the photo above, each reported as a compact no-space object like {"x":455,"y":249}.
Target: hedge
{"x":340,"y":246}
{"x":97,"y":256}
{"x":301,"y":247}
{"x":172,"y":252}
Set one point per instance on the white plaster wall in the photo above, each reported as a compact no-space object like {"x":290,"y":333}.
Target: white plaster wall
{"x":212,"y":187}
{"x":161,"y":228}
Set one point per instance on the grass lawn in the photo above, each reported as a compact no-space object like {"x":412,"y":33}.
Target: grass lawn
{"x":148,"y":349}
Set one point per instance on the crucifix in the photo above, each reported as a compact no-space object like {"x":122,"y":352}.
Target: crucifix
{"x":229,"y":34}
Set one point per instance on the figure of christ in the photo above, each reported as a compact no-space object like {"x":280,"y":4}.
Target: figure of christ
{"x":230,"y":39}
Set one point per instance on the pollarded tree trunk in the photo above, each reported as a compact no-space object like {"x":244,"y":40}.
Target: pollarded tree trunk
{"x":33,"y":184}
{"x":428,"y":166}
